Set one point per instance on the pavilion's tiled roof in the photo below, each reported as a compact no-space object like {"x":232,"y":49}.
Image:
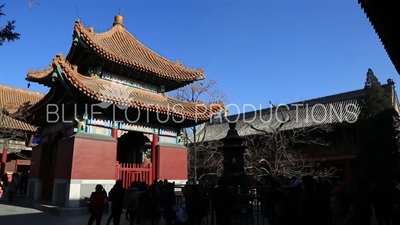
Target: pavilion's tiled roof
{"x":42,"y":76}
{"x":11,"y":100}
{"x":312,"y":113}
{"x":120,"y":46}
{"x":114,"y":93}
{"x":8,"y":125}
{"x":384,"y":17}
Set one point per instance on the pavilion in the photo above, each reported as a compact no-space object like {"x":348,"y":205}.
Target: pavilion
{"x":16,"y":135}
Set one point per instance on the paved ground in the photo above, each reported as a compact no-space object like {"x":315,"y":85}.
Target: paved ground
{"x":19,"y":215}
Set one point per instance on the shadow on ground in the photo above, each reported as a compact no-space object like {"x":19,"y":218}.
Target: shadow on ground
{"x":18,"y":214}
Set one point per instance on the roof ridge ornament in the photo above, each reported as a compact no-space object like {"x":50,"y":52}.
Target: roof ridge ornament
{"x":56,"y":60}
{"x":118,"y":20}
{"x":178,"y":63}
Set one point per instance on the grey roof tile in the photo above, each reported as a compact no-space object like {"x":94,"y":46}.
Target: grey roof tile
{"x":332,"y":109}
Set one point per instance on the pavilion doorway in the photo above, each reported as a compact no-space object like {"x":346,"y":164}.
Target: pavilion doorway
{"x":132,"y":147}
{"x":133,"y":158}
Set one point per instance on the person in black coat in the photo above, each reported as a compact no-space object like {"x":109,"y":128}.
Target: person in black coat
{"x":116,"y":196}
{"x":195,"y":206}
{"x":168,"y":201}
{"x":223,"y":202}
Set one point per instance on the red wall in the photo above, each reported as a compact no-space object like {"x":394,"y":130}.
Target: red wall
{"x":93,"y":159}
{"x":35,"y":162}
{"x":10,"y":167}
{"x":64,"y":159}
{"x":79,"y":158}
{"x":172,"y":162}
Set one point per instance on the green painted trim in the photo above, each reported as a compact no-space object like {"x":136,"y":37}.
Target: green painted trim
{"x":76,"y":38}
{"x":200,"y":78}
{"x":60,"y":73}
{"x":128,"y":82}
{"x":122,"y":126}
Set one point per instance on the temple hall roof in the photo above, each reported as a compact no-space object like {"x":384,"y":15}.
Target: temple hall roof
{"x":384,"y":17}
{"x":11,"y":101}
{"x":115,"y":93}
{"x":339,"y":108}
{"x":120,"y":46}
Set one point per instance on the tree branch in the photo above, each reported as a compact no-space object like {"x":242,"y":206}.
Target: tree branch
{"x":201,"y":153}
{"x":279,"y":152}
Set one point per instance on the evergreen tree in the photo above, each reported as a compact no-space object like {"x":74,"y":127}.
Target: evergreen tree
{"x":376,"y":99}
{"x":7,"y":32}
{"x":377,"y":147}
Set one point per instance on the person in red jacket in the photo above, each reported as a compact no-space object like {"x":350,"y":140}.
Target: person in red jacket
{"x":97,"y":203}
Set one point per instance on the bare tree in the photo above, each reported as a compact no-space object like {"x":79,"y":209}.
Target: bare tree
{"x":198,"y":92}
{"x":208,"y":158}
{"x":273,"y":149}
{"x":280,"y":152}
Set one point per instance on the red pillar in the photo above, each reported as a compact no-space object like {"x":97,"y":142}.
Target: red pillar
{"x":114,"y":133}
{"x":154,"y":156}
{"x":3,"y":161}
{"x":151,"y":179}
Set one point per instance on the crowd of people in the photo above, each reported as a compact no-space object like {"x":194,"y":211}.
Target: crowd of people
{"x":329,"y":202}
{"x":9,"y":187}
{"x":308,"y":202}
{"x":142,"y":203}
{"x":304,"y":201}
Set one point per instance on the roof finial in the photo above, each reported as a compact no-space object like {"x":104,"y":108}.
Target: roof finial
{"x":118,"y":20}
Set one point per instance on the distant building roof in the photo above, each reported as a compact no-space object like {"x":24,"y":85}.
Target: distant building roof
{"x":11,"y":100}
{"x":331,"y":109}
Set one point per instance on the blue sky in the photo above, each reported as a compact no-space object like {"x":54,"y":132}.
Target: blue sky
{"x":259,"y":51}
